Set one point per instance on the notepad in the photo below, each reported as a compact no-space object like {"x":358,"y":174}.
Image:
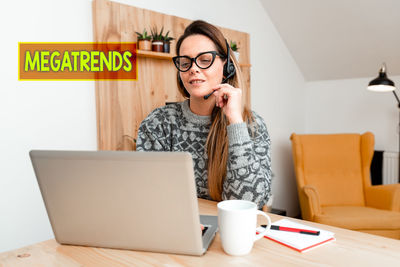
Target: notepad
{"x":297,"y":241}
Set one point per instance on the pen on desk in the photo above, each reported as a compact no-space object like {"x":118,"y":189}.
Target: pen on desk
{"x":295,"y":230}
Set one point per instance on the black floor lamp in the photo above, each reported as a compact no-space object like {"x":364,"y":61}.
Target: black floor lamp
{"x":383,"y":84}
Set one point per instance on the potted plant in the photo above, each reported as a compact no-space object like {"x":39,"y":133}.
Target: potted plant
{"x":157,"y":44}
{"x":235,"y":49}
{"x":167,"y":42}
{"x":144,"y":40}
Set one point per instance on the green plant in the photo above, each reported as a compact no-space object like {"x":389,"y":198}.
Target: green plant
{"x":143,"y":36}
{"x":155,"y":35}
{"x":168,"y":39}
{"x":234,"y":46}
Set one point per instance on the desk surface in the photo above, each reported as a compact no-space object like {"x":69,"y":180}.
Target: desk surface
{"x":350,"y":249}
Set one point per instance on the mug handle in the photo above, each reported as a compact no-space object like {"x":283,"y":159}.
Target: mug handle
{"x":261,"y":234}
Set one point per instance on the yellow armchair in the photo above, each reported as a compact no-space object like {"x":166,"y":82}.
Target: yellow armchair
{"x":334,"y":185}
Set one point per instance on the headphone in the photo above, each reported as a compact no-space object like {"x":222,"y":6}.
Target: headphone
{"x":229,"y":68}
{"x":228,"y":72}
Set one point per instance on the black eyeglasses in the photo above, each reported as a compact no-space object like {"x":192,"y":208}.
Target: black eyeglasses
{"x":203,"y":60}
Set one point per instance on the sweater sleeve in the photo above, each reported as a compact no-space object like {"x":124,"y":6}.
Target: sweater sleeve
{"x":154,"y":133}
{"x":249,"y":163}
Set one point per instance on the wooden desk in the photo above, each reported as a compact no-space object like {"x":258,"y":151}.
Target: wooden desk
{"x":350,"y":249}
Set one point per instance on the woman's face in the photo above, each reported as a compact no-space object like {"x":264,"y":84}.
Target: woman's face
{"x":199,"y":82}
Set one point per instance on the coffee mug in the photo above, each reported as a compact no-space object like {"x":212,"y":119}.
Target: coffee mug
{"x":237,"y":222}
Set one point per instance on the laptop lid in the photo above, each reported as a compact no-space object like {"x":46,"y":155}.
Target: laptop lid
{"x":122,"y":199}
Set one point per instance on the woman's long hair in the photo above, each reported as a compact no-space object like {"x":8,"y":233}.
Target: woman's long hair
{"x":217,"y":140}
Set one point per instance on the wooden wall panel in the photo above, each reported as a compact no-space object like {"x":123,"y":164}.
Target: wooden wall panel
{"x":122,"y":105}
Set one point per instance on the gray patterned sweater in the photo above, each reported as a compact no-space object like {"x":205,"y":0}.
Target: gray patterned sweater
{"x":176,"y":128}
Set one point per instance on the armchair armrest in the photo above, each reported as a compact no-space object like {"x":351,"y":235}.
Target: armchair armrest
{"x":385,"y":197}
{"x":310,"y":203}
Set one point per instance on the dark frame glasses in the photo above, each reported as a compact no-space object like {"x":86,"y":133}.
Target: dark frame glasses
{"x":189,"y":63}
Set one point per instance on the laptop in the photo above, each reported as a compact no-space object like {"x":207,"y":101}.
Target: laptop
{"x":122,"y":199}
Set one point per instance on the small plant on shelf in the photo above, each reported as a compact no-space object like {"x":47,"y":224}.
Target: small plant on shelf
{"x":157,"y":40}
{"x":143,"y":36}
{"x":235,"y":49}
{"x":167,"y":42}
{"x":234,"y":46}
{"x":144,"y":40}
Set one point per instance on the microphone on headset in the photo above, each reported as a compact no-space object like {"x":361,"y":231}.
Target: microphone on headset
{"x":229,"y":69}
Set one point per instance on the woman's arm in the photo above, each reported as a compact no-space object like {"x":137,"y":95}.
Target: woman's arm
{"x":153,"y":134}
{"x":249,"y":163}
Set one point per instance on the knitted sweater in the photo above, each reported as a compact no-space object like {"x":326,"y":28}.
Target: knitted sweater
{"x":175,"y":127}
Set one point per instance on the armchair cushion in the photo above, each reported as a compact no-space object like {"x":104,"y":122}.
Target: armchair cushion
{"x":332,"y":163}
{"x":359,"y":218}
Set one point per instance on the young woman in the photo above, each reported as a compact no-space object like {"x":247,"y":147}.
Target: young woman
{"x":229,"y":144}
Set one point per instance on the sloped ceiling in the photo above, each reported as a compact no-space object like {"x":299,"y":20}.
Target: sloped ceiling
{"x":339,"y":39}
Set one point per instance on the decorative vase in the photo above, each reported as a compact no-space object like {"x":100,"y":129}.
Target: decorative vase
{"x":144,"y":45}
{"x":157,"y":46}
{"x":237,"y":54}
{"x":167,"y":46}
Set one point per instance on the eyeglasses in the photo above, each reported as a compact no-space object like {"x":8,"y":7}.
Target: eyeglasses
{"x":203,"y":60}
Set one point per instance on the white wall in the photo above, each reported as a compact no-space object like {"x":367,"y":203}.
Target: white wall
{"x":61,"y":115}
{"x":42,"y":114}
{"x":339,"y":106}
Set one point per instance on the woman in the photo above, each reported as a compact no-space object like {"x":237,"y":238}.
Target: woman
{"x":230,"y":145}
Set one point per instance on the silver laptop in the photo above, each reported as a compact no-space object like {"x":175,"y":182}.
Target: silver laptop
{"x":121,"y":199}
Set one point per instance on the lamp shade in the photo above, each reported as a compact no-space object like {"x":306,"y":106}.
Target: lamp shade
{"x":382,"y":83}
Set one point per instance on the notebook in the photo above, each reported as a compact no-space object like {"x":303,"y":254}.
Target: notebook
{"x":122,"y":199}
{"x":297,"y":241}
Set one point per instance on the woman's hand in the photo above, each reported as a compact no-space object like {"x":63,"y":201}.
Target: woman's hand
{"x":229,"y":99}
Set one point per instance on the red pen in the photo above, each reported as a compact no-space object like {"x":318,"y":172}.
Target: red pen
{"x":295,"y":230}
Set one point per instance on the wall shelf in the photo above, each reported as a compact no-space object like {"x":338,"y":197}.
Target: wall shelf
{"x":151,"y":54}
{"x":244,"y":65}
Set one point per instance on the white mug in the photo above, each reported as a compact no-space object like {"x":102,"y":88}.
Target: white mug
{"x":237,"y":222}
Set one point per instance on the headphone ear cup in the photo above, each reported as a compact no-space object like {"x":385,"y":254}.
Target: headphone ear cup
{"x":232,"y":69}
{"x":226,"y":70}
{"x":229,"y":69}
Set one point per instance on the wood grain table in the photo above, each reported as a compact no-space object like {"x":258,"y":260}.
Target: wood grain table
{"x":350,"y":249}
